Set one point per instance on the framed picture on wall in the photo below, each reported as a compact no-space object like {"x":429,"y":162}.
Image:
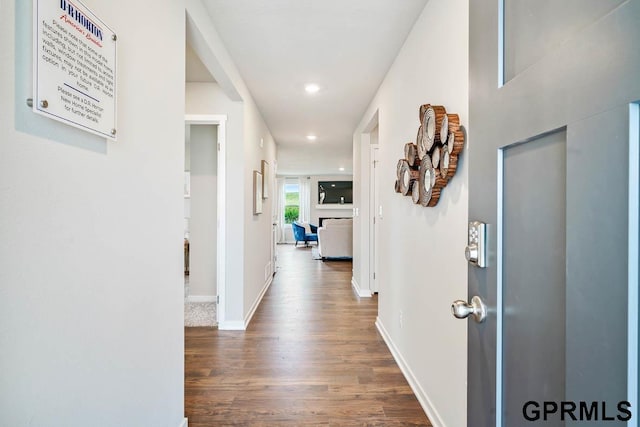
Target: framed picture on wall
{"x":265,"y":179}
{"x":257,"y":193}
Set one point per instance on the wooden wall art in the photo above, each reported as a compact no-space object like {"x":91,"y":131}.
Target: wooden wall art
{"x":431,"y":162}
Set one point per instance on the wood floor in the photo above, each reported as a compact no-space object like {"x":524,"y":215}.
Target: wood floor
{"x":311,"y":356}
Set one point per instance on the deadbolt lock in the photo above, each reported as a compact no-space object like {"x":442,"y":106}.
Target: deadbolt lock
{"x":476,"y":250}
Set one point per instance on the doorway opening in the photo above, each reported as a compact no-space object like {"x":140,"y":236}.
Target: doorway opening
{"x":371,"y":209}
{"x":204,"y":219}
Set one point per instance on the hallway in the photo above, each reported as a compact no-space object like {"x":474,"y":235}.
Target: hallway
{"x":311,"y":356}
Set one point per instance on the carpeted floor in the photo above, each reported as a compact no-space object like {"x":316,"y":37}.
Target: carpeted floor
{"x":200,"y":314}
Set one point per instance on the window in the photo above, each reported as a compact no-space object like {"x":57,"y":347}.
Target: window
{"x":291,"y":202}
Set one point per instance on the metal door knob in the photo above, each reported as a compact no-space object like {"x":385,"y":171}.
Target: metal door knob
{"x":461,"y":309}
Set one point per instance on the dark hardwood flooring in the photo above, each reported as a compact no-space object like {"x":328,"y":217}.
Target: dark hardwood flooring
{"x":311,"y":356}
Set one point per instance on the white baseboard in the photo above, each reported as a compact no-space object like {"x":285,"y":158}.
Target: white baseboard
{"x":256,"y":303}
{"x":232,"y":325}
{"x":184,"y":423}
{"x":424,"y":400}
{"x":363,"y":293}
{"x":201,"y":298}
{"x":237,"y":325}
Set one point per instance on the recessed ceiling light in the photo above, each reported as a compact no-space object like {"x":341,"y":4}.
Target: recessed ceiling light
{"x":312,"y":137}
{"x":311,"y":88}
{"x":340,"y":169}
{"x":333,"y":185}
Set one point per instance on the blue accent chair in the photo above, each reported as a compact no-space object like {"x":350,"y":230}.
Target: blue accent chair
{"x":300,"y":235}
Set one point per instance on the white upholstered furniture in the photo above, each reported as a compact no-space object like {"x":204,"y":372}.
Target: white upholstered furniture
{"x":335,"y":238}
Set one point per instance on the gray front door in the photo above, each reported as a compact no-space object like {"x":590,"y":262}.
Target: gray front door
{"x":551,"y":135}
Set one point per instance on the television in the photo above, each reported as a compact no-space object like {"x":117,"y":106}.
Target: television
{"x":334,"y":192}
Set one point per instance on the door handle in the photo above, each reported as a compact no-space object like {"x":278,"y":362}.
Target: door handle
{"x":461,"y":309}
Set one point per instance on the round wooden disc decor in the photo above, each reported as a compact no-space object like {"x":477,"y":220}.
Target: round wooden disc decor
{"x":435,"y":156}
{"x":450,"y":140}
{"x":424,"y":180}
{"x":399,"y":168}
{"x":440,"y":113}
{"x":428,"y":129}
{"x":431,"y":162}
{"x":411,"y":153}
{"x":421,"y":111}
{"x":407,"y":176}
{"x":455,"y":141}
{"x":422,"y":150}
{"x":444,"y":129}
{"x":437,"y":184}
{"x":453,"y":166}
{"x":454,"y":122}
{"x":415,"y":192}
{"x":448,"y":166}
{"x":435,"y":197}
{"x":444,"y":165}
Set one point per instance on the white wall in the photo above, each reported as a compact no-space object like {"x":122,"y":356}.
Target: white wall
{"x":422,"y":268}
{"x":203,"y":224}
{"x":91,"y":281}
{"x":314,"y":159}
{"x":258,"y":268}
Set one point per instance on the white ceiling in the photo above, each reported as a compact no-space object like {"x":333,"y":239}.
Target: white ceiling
{"x":345,"y":46}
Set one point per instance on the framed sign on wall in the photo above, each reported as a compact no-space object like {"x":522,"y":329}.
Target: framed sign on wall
{"x":74,"y":76}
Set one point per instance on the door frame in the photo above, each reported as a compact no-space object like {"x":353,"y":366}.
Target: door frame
{"x":362,"y":284}
{"x":275,"y":221}
{"x":633,"y":254}
{"x":220,"y":121}
{"x":373,"y":215}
